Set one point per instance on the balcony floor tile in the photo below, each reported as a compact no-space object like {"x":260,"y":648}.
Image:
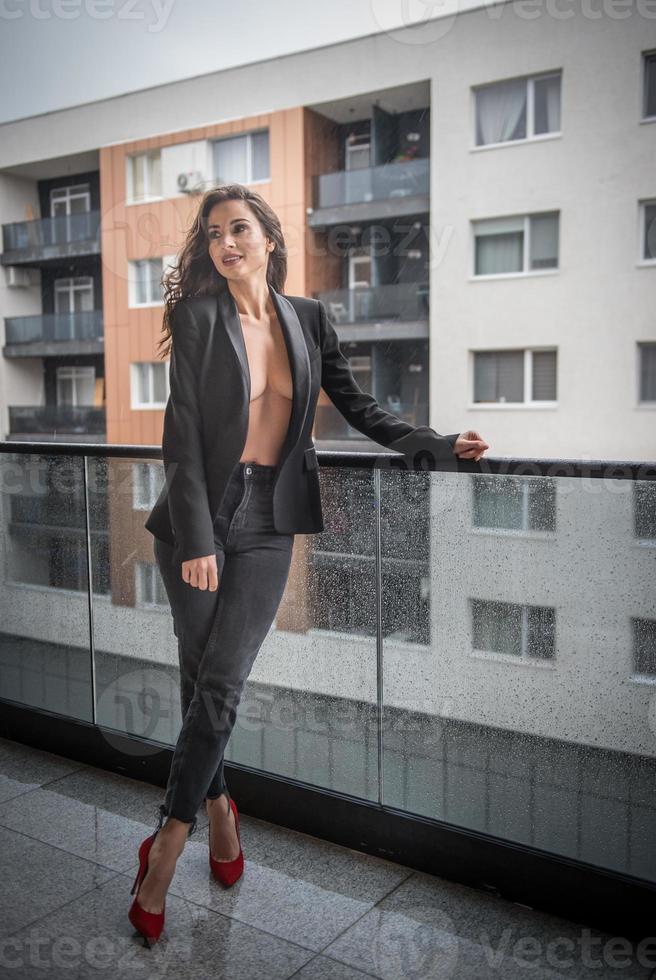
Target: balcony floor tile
{"x":23,"y":768}
{"x":431,"y":927}
{"x":91,"y":937}
{"x":304,"y":907}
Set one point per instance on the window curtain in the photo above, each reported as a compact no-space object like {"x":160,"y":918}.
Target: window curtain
{"x":648,"y":373}
{"x":547,"y":104}
{"x":230,"y":160}
{"x":501,"y":112}
{"x":499,"y":245}
{"x":499,"y":376}
{"x":544,"y":241}
{"x":544,"y":375}
{"x":260,"y":153}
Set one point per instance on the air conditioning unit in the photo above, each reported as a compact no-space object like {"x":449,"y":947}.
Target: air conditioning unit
{"x":19,"y":277}
{"x":190,"y":182}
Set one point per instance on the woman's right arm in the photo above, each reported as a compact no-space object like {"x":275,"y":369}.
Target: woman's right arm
{"x":182,"y":444}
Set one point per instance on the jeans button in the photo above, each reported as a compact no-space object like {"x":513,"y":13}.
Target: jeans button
{"x":249,"y":470}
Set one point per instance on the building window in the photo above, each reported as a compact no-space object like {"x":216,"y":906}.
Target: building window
{"x":644,"y":510}
{"x":519,"y":244}
{"x":357,"y":149}
{"x":649,"y":85}
{"x":648,"y":231}
{"x":517,"y":376}
{"x":517,"y":630}
{"x":144,"y":282}
{"x":74,"y":295}
{"x":647,"y":356}
{"x":517,"y":109}
{"x":147,"y":481}
{"x":148,"y":585}
{"x":144,"y":176}
{"x":76,"y":385}
{"x":73,"y":199}
{"x":150,"y":384}
{"x":514,"y":503}
{"x":242,"y":159}
{"x":644,"y":646}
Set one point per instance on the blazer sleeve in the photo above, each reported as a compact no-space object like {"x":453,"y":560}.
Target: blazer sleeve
{"x":182,"y":442}
{"x":362,"y":410}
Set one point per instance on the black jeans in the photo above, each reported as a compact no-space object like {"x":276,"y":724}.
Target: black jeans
{"x":220,"y":633}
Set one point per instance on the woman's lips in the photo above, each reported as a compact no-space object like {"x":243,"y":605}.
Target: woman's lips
{"x":231,"y":259}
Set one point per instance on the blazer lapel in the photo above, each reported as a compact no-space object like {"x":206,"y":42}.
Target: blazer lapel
{"x":299,"y":360}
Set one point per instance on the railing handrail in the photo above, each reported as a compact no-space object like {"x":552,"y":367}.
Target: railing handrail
{"x":613,"y":469}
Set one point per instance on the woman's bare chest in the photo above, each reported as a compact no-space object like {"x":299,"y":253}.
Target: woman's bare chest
{"x":268,"y":360}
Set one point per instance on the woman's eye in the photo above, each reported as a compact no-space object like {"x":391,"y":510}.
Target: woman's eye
{"x":215,"y":234}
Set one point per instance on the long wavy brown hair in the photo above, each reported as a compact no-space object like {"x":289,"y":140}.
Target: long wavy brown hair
{"x":194,"y":273}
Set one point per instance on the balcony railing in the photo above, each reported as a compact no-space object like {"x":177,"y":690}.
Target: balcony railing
{"x":394,"y":301}
{"x":469,"y":648}
{"x":54,"y":327}
{"x":50,"y":238}
{"x":407,"y":179}
{"x":57,"y":419}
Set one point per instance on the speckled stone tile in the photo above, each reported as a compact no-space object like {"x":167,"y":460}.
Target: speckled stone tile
{"x":98,"y":815}
{"x":37,"y":878}
{"x":433,"y":928}
{"x":323,"y":968}
{"x":23,"y":768}
{"x":294,"y":886}
{"x":92,"y":937}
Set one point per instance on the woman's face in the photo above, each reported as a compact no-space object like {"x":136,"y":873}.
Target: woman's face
{"x":233,"y":230}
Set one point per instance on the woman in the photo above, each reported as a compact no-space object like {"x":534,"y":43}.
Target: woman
{"x":246,"y":366}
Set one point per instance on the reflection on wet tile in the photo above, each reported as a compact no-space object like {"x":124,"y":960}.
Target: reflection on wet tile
{"x":92,"y":937}
{"x":23,"y":768}
{"x":433,"y":928}
{"x":294,"y":886}
{"x":89,"y":831}
{"x":95,"y":814}
{"x":37,"y":879}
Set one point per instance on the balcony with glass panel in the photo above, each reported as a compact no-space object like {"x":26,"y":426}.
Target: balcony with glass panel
{"x":57,"y":421}
{"x":390,"y":303}
{"x":389,"y":190}
{"x":459,"y":679}
{"x":43,"y":240}
{"x":52,"y":334}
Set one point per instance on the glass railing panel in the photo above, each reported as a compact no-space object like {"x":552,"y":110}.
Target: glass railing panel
{"x":135,"y":649}
{"x":83,"y":325}
{"x":519,"y":648}
{"x":409,"y":178}
{"x":45,"y":657}
{"x":309,"y":708}
{"x":391,"y":301}
{"x":61,"y":230}
{"x":57,"y":419}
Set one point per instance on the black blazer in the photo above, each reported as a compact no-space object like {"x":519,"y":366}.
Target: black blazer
{"x":206,"y":417}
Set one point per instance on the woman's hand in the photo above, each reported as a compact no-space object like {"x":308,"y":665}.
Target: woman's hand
{"x":201,"y":573}
{"x":470,"y":445}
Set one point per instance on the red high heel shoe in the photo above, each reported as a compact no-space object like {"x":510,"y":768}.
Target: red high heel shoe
{"x":149,"y":924}
{"x":227,"y":872}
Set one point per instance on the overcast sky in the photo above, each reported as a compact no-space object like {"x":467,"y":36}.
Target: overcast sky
{"x":58,"y":53}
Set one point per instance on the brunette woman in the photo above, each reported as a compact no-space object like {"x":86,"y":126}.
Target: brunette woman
{"x":246,"y":366}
